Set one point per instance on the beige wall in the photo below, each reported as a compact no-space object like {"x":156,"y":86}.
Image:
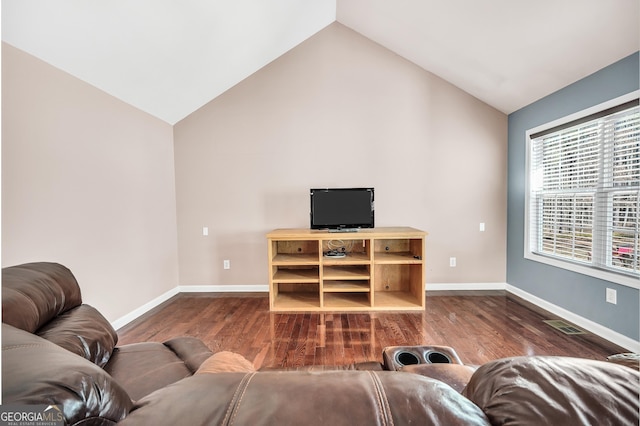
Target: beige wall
{"x":341,"y":111}
{"x":87,"y":181}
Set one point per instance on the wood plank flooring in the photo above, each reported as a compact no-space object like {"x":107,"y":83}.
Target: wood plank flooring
{"x":480,"y":326}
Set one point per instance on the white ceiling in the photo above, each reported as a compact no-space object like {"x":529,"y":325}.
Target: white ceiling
{"x":169,"y":57}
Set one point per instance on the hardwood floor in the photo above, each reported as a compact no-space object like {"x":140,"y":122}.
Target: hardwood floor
{"x":480,"y":326}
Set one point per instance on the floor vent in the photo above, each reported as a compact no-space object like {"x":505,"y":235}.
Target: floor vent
{"x":565,"y":327}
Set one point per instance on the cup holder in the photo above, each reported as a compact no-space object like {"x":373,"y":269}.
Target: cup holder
{"x":438,"y":358}
{"x":407,"y":358}
{"x":396,"y":357}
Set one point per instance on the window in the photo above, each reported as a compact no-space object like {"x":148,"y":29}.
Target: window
{"x":584,"y":193}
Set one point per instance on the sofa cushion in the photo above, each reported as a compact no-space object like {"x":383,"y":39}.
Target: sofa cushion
{"x":556,"y":391}
{"x":84,"y":331}
{"x":310,"y":398}
{"x":142,"y":368}
{"x":36,"y":371}
{"x":35,"y":293}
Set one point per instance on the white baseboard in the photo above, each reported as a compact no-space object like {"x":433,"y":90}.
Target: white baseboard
{"x":597,"y":329}
{"x":464,"y":286}
{"x":257,"y":288}
{"x":122,"y":321}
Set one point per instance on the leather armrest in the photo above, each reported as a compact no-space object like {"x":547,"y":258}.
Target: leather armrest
{"x":191,"y":350}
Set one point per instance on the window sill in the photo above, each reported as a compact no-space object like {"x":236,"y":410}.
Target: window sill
{"x":628,"y":281}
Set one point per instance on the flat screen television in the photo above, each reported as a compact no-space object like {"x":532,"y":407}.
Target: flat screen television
{"x":342,"y":208}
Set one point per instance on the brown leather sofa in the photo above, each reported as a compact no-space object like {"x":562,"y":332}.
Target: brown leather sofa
{"x":55,"y":350}
{"x":66,"y":350}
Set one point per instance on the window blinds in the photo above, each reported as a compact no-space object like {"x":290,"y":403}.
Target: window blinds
{"x":585,"y":191}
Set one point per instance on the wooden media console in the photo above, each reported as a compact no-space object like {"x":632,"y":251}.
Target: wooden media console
{"x":371,"y":269}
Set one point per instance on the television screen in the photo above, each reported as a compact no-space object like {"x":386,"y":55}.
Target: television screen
{"x":342,"y":208}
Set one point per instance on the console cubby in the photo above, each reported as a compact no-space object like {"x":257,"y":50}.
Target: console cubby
{"x":372,"y":269}
{"x":398,"y":285}
{"x":303,"y":252}
{"x":356,"y":251}
{"x":347,"y":301}
{"x":399,"y":250}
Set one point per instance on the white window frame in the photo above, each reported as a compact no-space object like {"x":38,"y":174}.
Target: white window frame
{"x":621,"y":279}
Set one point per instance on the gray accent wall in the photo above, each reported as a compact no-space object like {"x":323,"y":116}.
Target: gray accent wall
{"x":578,"y":293}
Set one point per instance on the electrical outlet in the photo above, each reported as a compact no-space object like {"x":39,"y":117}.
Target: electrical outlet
{"x":226,"y":264}
{"x":452,"y":262}
{"x":481,"y":226}
{"x":611,"y":296}
{"x":205,"y":231}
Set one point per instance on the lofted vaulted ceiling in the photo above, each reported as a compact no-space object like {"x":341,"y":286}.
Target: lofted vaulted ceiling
{"x":169,"y":57}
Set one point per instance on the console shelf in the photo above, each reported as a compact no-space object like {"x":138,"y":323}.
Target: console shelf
{"x":346,"y":286}
{"x":368,"y":270}
{"x":284,"y":275}
{"x":345,"y":272}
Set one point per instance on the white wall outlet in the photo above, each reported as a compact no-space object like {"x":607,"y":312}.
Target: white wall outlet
{"x":481,"y":226}
{"x":452,"y":262}
{"x":205,"y":231}
{"x":226,"y":264}
{"x":612,"y":296}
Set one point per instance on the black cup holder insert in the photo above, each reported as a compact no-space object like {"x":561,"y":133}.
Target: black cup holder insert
{"x":438,"y":358}
{"x":407,"y":358}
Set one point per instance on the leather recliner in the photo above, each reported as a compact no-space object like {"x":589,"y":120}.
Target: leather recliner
{"x":45,"y":321}
{"x":55,"y":350}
